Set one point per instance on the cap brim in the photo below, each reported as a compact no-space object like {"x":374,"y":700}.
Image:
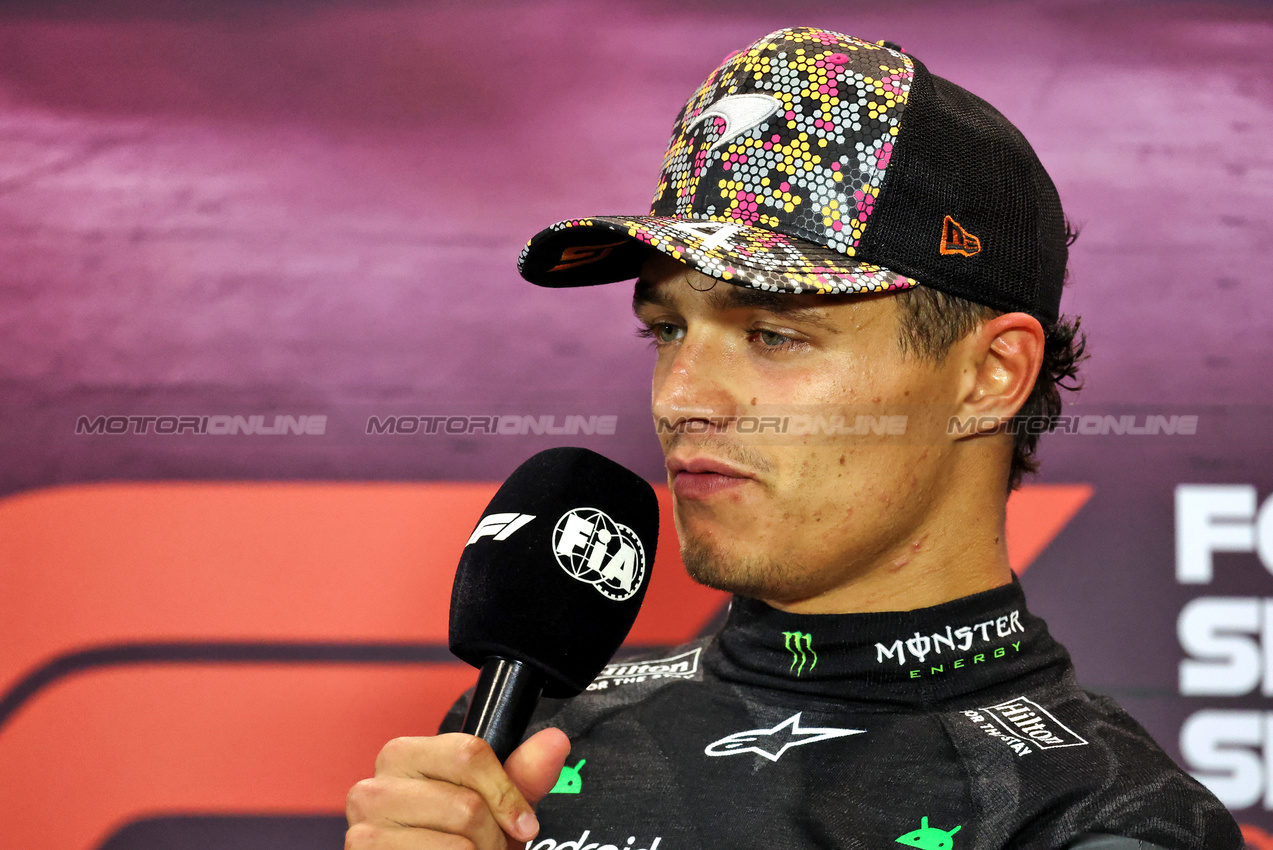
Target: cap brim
{"x":605,"y":249}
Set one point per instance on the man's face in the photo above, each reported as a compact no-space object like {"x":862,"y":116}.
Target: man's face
{"x":779,"y":517}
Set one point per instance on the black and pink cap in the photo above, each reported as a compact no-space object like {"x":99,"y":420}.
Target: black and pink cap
{"x":817,"y":162}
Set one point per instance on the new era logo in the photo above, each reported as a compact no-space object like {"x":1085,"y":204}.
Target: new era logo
{"x":956,"y":240}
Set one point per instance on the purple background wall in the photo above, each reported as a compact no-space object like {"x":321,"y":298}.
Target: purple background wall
{"x":315,"y":208}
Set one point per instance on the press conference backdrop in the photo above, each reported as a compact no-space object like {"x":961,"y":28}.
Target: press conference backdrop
{"x":264,"y":356}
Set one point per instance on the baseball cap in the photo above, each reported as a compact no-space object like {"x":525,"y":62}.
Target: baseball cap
{"x":813,"y":161}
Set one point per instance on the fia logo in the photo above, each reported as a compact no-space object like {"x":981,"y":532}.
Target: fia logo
{"x":593,"y":548}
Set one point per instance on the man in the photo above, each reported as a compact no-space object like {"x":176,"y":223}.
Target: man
{"x":870,"y":260}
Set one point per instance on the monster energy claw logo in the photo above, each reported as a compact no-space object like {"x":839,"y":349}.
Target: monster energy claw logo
{"x":800,"y":645}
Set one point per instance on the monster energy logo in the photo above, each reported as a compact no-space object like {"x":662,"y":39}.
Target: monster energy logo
{"x":800,"y":645}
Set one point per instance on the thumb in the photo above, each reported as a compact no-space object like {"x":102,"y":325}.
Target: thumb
{"x":536,"y":764}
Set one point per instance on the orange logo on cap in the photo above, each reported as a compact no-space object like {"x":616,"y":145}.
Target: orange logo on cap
{"x":956,"y":240}
{"x":578,"y":255}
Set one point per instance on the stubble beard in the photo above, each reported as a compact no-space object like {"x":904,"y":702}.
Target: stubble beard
{"x":712,"y":565}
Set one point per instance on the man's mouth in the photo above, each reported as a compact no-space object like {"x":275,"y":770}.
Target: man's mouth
{"x":703,"y":477}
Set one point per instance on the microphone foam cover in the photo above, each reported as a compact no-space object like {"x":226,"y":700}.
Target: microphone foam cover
{"x":556,"y":569}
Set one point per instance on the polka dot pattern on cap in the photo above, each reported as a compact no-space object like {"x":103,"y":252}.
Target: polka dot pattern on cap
{"x":772,"y":172}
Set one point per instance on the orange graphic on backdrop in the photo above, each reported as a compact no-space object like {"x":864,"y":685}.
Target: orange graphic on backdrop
{"x":108,"y":565}
{"x":1256,"y":838}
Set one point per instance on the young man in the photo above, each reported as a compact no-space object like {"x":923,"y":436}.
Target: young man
{"x":839,"y":239}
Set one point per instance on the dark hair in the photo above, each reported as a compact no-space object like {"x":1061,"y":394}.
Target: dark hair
{"x":932,"y":321}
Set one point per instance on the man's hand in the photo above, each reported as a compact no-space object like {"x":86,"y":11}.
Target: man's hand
{"x":451,"y":791}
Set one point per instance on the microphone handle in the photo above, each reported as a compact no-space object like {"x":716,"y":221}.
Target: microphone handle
{"x":505,"y":698}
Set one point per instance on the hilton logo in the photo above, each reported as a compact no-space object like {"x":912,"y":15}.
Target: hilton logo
{"x":1026,"y":719}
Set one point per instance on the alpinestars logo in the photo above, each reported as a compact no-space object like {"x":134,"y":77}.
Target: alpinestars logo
{"x":800,"y":645}
{"x":499,"y":526}
{"x":593,"y":548}
{"x":772,"y":743}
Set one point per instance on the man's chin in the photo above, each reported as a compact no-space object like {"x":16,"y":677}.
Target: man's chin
{"x":733,"y":572}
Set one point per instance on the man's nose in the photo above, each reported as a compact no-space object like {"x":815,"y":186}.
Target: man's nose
{"x":696,"y":383}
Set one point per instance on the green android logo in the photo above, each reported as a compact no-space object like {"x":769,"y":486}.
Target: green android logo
{"x":570,"y":782}
{"x":928,"y":837}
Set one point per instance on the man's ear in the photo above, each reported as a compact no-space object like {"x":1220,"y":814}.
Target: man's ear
{"x":1003,"y":359}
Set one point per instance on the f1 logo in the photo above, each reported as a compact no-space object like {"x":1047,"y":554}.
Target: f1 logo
{"x":499,"y":526}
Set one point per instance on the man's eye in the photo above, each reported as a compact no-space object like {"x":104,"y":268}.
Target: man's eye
{"x":664,"y":332}
{"x":772,"y":338}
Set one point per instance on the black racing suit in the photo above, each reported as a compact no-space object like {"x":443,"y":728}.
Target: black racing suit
{"x":957,"y":727}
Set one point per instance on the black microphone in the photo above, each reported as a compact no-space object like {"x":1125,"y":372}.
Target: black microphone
{"x":549,"y":584}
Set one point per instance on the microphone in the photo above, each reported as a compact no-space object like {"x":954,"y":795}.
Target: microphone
{"x":549,"y":584}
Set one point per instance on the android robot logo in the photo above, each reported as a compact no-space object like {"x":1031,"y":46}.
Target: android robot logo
{"x":570,"y":782}
{"x":928,"y":837}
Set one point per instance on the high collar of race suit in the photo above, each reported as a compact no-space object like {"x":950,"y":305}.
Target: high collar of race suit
{"x":898,"y":657}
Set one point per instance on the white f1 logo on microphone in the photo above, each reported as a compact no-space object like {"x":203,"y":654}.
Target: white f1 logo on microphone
{"x":499,"y":526}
